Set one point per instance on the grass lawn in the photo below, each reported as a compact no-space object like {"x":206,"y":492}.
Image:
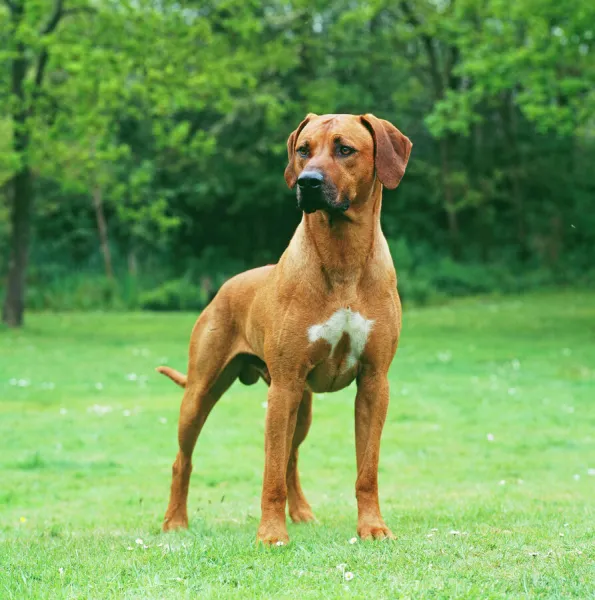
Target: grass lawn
{"x":487,"y":467}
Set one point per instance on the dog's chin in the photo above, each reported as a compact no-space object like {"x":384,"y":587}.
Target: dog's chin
{"x":311,"y":204}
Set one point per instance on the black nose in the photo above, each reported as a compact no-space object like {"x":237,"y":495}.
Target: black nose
{"x":310,"y":180}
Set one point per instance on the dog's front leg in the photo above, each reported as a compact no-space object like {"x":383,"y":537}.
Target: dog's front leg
{"x":371,"y":405}
{"x":283,"y":404}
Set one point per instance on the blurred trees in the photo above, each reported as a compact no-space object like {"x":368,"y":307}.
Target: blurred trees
{"x":146,"y":140}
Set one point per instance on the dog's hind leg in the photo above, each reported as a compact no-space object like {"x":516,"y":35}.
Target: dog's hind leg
{"x":204,"y":387}
{"x":299,"y":509}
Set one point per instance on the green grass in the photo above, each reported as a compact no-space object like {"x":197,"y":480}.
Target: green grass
{"x":77,"y":488}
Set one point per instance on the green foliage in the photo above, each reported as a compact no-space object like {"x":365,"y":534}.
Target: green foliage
{"x":79,"y":293}
{"x":178,"y":294}
{"x":178,"y":115}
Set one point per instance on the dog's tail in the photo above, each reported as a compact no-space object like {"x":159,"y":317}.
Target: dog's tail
{"x":174,"y":375}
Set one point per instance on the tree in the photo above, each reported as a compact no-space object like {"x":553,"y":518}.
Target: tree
{"x":157,"y":134}
{"x":29,"y":52}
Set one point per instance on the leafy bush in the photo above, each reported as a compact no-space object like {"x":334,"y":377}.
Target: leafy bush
{"x":179,"y":294}
{"x":77,"y":292}
{"x":423,"y":278}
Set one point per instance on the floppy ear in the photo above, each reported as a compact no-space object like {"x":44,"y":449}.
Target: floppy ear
{"x":290,"y":175}
{"x":391,"y":150}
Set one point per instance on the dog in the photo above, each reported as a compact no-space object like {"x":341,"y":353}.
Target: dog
{"x":326,"y":314}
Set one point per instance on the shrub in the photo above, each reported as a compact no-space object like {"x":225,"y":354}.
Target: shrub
{"x":179,"y":294}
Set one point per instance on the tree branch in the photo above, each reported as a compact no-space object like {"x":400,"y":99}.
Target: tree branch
{"x":41,"y":65}
{"x":60,"y":12}
{"x":430,"y":50}
{"x":55,"y":18}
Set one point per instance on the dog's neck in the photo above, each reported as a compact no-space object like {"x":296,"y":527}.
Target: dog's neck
{"x":343,"y":244}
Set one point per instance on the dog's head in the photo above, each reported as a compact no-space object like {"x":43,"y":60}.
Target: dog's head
{"x":335,"y":159}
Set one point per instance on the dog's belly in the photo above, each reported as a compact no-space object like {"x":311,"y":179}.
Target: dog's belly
{"x":337,"y":345}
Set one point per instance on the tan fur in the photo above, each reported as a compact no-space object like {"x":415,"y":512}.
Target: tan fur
{"x":174,"y":375}
{"x":258,"y":323}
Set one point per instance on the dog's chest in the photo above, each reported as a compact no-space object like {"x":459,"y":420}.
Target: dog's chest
{"x":346,"y":333}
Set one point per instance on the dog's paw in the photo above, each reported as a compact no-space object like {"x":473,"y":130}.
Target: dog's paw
{"x":173,"y":523}
{"x":302,"y":514}
{"x":272,"y":534}
{"x":375,"y":531}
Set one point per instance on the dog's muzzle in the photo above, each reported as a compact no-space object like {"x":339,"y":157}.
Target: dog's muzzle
{"x":314,"y":193}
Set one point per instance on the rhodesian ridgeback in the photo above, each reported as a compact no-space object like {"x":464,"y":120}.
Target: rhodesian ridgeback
{"x":326,"y":314}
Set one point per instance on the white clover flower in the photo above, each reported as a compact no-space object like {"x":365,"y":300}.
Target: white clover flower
{"x":348,"y":576}
{"x":100,"y":410}
{"x":139,"y":541}
{"x":353,"y":540}
{"x":490,"y":437}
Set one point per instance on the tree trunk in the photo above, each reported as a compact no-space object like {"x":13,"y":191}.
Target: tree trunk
{"x":449,"y":204}
{"x":132,"y":263}
{"x":21,"y":184}
{"x":516,"y":161}
{"x":102,"y":229}
{"x":484,"y":229}
{"x":14,"y":302}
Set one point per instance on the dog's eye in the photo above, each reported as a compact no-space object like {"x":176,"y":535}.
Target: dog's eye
{"x":303,"y":151}
{"x":346,"y":150}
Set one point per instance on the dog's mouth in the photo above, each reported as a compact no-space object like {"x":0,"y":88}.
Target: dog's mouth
{"x":325,"y":198}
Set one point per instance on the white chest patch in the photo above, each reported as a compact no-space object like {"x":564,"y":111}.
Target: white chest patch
{"x":343,"y":321}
